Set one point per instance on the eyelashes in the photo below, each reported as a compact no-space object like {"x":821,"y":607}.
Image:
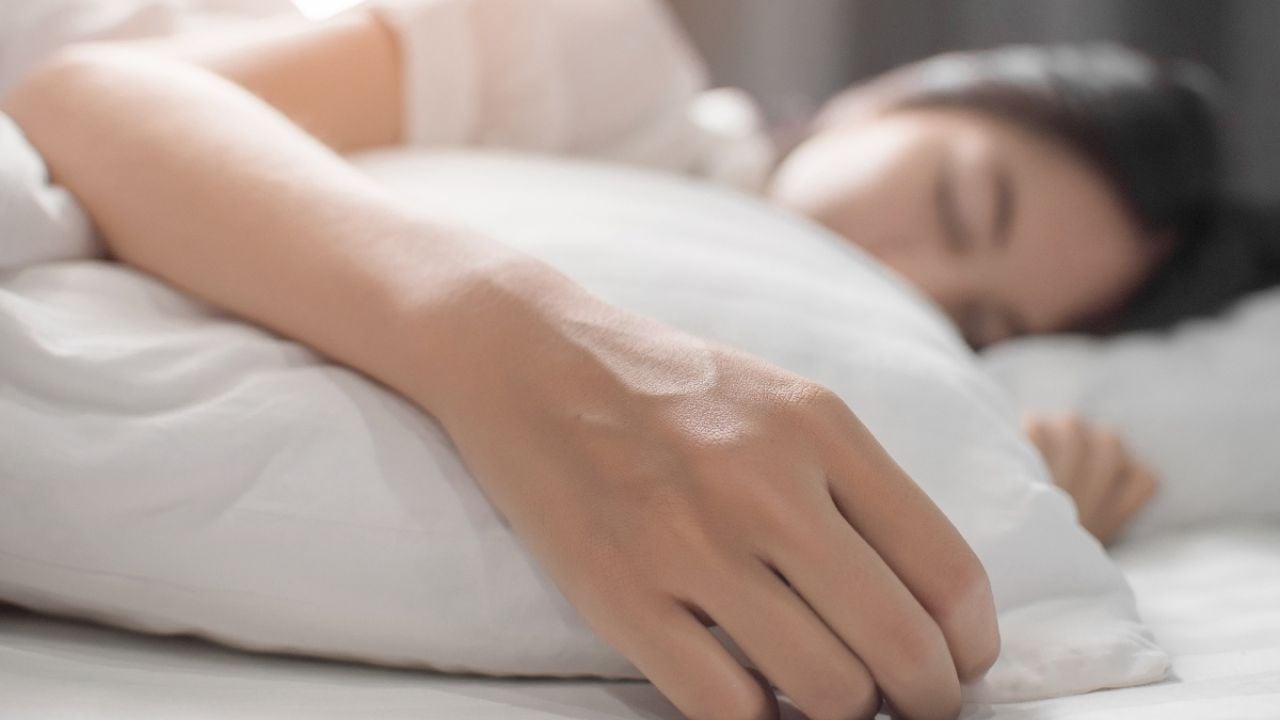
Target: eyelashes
{"x":947,"y":206}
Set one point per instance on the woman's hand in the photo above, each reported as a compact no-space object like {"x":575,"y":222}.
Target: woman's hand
{"x":667,"y":483}
{"x":1108,"y":485}
{"x":661,"y":480}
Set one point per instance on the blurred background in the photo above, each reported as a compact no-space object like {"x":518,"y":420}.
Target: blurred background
{"x":791,"y":54}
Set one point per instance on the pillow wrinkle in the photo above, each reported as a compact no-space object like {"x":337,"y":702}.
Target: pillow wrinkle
{"x":309,"y":481}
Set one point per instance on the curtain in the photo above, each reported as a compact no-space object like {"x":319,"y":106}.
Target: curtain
{"x":792,"y":53}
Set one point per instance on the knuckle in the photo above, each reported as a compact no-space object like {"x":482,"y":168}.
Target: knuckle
{"x":725,"y":467}
{"x":1147,"y":483}
{"x":815,"y":400}
{"x":825,"y":399}
{"x":965,"y":588}
{"x":1110,"y":442}
{"x":947,"y":702}
{"x":728,"y":471}
{"x":761,"y":500}
{"x":915,"y":646}
{"x":742,"y":700}
{"x":867,"y":704}
{"x":781,"y":526}
{"x":609,"y":578}
{"x":1069,"y":425}
{"x":853,"y":695}
{"x":806,"y":393}
{"x":727,"y":487}
{"x":705,"y":546}
{"x":981,"y":656}
{"x":774,"y":514}
{"x":771,"y":509}
{"x":968,"y":611}
{"x":921,"y":669}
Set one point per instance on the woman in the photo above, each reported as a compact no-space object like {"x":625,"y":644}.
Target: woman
{"x":1026,"y":190}
{"x":197,"y":169}
{"x":1033,"y":190}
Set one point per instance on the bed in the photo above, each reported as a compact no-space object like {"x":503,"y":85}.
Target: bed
{"x":1204,"y":566}
{"x":1209,"y":594}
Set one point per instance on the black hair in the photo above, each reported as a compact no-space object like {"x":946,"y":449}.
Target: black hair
{"x":1150,"y":127}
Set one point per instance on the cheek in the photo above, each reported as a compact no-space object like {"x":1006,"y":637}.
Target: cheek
{"x":1070,"y":277}
{"x":855,"y":184}
{"x":939,"y":277}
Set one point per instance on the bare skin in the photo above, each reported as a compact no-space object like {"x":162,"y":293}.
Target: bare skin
{"x":1092,"y":464}
{"x":664,"y":482}
{"x":1009,"y":232}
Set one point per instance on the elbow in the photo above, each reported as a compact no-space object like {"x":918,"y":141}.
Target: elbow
{"x":56,"y":85}
{"x":58,"y":100}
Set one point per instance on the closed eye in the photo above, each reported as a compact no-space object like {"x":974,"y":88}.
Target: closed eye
{"x":1006,"y":204}
{"x":947,"y":206}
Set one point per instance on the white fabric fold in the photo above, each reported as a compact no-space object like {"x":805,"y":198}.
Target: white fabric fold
{"x":171,"y":470}
{"x":38,"y":221}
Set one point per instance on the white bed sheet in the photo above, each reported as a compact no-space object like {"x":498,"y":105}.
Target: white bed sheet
{"x":1212,"y":596}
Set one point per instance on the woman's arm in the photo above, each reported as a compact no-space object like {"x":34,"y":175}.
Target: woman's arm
{"x":189,"y":178}
{"x":341,"y":80}
{"x":659,"y":479}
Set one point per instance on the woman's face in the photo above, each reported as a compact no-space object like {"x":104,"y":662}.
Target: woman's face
{"x":1009,"y":232}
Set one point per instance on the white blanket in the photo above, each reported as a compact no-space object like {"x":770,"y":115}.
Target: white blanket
{"x":1225,"y":642}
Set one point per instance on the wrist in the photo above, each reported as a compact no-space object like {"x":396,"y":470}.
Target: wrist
{"x":462,"y":335}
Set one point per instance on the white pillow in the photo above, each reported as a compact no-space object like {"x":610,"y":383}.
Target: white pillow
{"x":1200,"y":405}
{"x":38,"y":221}
{"x":172,"y":470}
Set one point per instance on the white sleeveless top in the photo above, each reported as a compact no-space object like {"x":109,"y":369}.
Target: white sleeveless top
{"x":616,"y":81}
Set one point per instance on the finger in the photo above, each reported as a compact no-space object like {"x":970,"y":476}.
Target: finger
{"x":691,"y":667}
{"x":916,"y":541}
{"x":1112,"y":512}
{"x":1035,"y":429}
{"x":1143,"y":485}
{"x":1055,"y":443}
{"x":1070,"y":443}
{"x":1134,"y":492}
{"x":1100,"y":470}
{"x":1042,"y":435}
{"x":791,"y":645}
{"x":860,"y":598}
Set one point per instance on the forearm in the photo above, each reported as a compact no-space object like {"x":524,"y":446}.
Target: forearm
{"x":192,"y":179}
{"x":340,"y":80}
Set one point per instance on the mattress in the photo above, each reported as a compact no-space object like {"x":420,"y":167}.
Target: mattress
{"x":1212,"y":596}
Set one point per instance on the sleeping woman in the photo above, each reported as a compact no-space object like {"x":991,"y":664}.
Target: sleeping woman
{"x":1024,"y":190}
